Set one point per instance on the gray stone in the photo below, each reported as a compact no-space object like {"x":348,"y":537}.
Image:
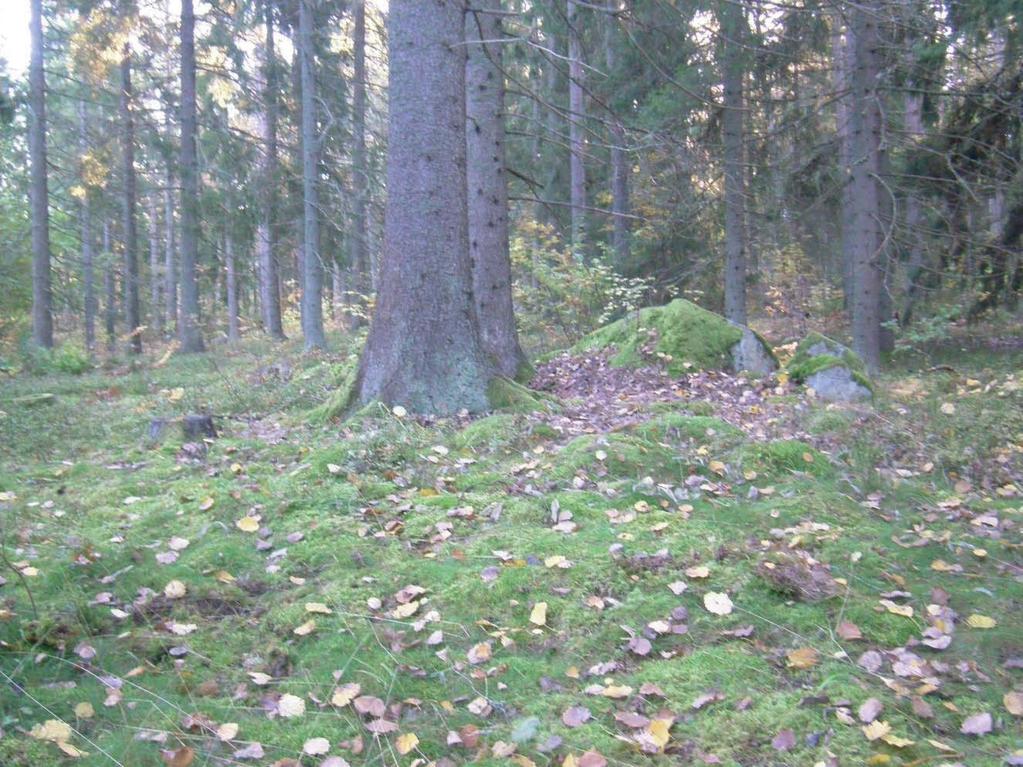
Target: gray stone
{"x":752,"y":355}
{"x":837,"y":384}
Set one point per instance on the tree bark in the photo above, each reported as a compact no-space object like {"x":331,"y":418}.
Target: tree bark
{"x":170,"y":272}
{"x":732,"y":23}
{"x":312,"y":285}
{"x":231,"y":276}
{"x":129,"y":231}
{"x":865,"y":123}
{"x":487,"y":189}
{"x":189,"y":327}
{"x":621,"y":238}
{"x":42,"y":293}
{"x":266,"y":240}
{"x":842,"y":58}
{"x":424,"y":350}
{"x":576,"y":113}
{"x":155,"y":276}
{"x":360,"y":178}
{"x":110,"y":291}
{"x":85,"y":221}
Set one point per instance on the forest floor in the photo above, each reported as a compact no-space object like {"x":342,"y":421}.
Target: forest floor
{"x":651,"y":571}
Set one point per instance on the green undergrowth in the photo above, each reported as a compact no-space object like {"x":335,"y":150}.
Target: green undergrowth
{"x":489,"y":517}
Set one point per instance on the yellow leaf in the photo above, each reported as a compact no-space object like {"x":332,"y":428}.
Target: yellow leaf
{"x":941,"y":746}
{"x":896,"y":741}
{"x":345,"y":694}
{"x":174,"y":590}
{"x":906,"y":611}
{"x":538,"y":615}
{"x":84,"y":710}
{"x":978,"y":621}
{"x":247,"y":524}
{"x":290,"y":706}
{"x":317,"y":607}
{"x":406,"y":610}
{"x":305,"y":629}
{"x":803,"y":658}
{"x":698,"y":571}
{"x":73,"y":751}
{"x":876,"y":729}
{"x":206,"y":503}
{"x":406,"y":742}
{"x":227,"y":731}
{"x":948,"y":408}
{"x":1013,"y":703}
{"x":53,"y":730}
{"x":717,"y":467}
{"x":658,"y":733}
{"x":617,"y":691}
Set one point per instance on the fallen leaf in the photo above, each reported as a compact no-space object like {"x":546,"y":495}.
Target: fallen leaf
{"x":978,"y":621}
{"x":290,"y":706}
{"x":345,"y":694}
{"x":784,"y":741}
{"x":316,"y":746}
{"x":53,"y":730}
{"x":1013,"y":703}
{"x":575,"y":716}
{"x":803,"y":658}
{"x":717,"y":603}
{"x":227,"y":731}
{"x":978,"y":724}
{"x":174,"y":590}
{"x":870,"y":710}
{"x":318,"y":607}
{"x":538,"y":615}
{"x":84,"y":710}
{"x":876,"y":730}
{"x":406,"y":742}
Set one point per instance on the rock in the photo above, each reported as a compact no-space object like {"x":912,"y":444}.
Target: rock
{"x":681,"y":336}
{"x":752,"y":354}
{"x":835,"y":372}
{"x":838,"y":384}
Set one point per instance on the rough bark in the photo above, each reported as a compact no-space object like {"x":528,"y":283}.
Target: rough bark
{"x":85,"y":226}
{"x":424,"y":350}
{"x":621,"y":237}
{"x":42,"y":293}
{"x":266,"y":240}
{"x":487,"y":188}
{"x":865,"y":124}
{"x":732,"y":23}
{"x":170,"y":272}
{"x":360,"y":177}
{"x":109,"y":291}
{"x":155,"y":273}
{"x":576,"y":114}
{"x":129,"y":233}
{"x":189,"y":327}
{"x":841,"y":55}
{"x":231,"y":276}
{"x":312,"y":284}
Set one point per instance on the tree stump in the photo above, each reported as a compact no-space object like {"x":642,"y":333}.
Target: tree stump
{"x":196,"y":427}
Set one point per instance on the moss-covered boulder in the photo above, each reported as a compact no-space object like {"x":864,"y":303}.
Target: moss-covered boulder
{"x":684,"y":337}
{"x":835,"y":372}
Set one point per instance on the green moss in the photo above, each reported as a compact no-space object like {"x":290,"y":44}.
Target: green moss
{"x":785,"y":456}
{"x":673,"y":427}
{"x":340,"y":399}
{"x":682,"y":335}
{"x":803,"y":364}
{"x":505,"y":394}
{"x":491,"y":432}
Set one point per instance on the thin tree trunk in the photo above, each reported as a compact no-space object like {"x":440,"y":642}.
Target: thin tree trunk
{"x":189,"y":327}
{"x":129,"y":232}
{"x":732,"y":23}
{"x":914,"y":125}
{"x":360,"y":178}
{"x":170,"y":272}
{"x":85,"y":217}
{"x":312,"y":287}
{"x":842,"y":58}
{"x":424,"y":350}
{"x":155,"y":277}
{"x":231,"y":276}
{"x":42,"y":293}
{"x":620,"y":236}
{"x":266,"y":240}
{"x":576,"y":114}
{"x":110,"y":291}
{"x":866,"y":167}
{"x":488,"y":189}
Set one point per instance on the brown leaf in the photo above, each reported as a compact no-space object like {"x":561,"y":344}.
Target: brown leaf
{"x":848,"y":631}
{"x":631,"y":719}
{"x":784,"y":740}
{"x":181,"y":757}
{"x":592,"y":759}
{"x":575,"y":716}
{"x":368,"y":704}
{"x":870,"y":710}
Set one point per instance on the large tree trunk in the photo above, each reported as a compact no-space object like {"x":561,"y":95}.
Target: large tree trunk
{"x":266,"y":240}
{"x":488,"y":189}
{"x":42,"y":294}
{"x":620,"y":237}
{"x":155,"y":277}
{"x":85,"y":221}
{"x":865,"y":123}
{"x":231,"y":276}
{"x":732,"y":24}
{"x":312,"y":285}
{"x":360,"y":177}
{"x":424,"y":350}
{"x":189,"y":327}
{"x":128,"y":204}
{"x":109,"y":291}
{"x":576,"y":113}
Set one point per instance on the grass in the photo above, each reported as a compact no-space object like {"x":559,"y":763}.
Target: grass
{"x":351,"y":513}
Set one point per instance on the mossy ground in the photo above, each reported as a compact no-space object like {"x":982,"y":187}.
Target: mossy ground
{"x":356,"y":511}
